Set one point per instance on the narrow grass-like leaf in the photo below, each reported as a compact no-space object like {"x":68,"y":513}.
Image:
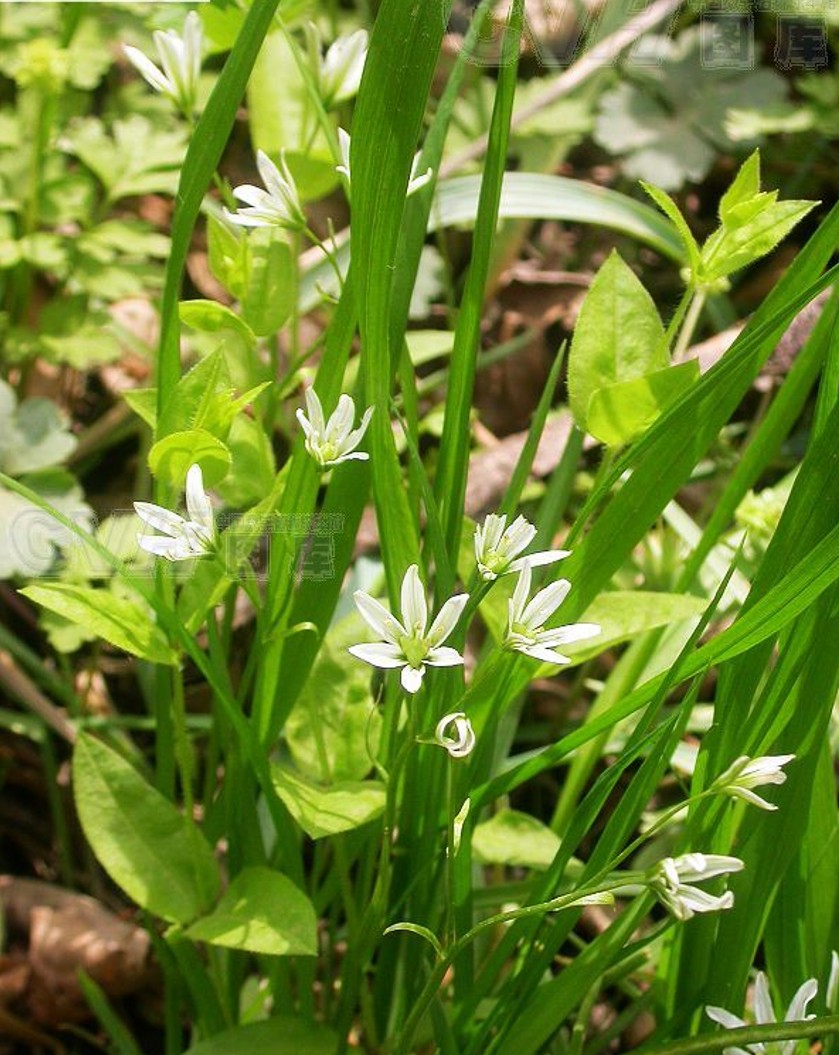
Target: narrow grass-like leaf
{"x":450,"y":483}
{"x":388,"y":116}
{"x":534,"y":434}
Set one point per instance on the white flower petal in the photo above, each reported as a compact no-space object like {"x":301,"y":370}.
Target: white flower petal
{"x":304,"y":422}
{"x":797,"y":1010}
{"x":566,"y":635}
{"x":198,"y":505}
{"x":540,"y":559}
{"x":724,"y":1018}
{"x":519,"y":536}
{"x":518,"y":601}
{"x":379,"y":654}
{"x":169,"y":548}
{"x":354,"y":438}
{"x":413,"y":604}
{"x":353,"y":456}
{"x":160,"y":518}
{"x":147,"y":69}
{"x":270,"y":175}
{"x":460,"y":742}
{"x":542,"y":653}
{"x":378,"y":618}
{"x":344,"y":145}
{"x":444,"y":657}
{"x":545,"y":603}
{"x":764,"y":1011}
{"x":340,"y":422}
{"x":412,"y":678}
{"x":447,"y":619}
{"x":315,"y":409}
{"x":251,"y":195}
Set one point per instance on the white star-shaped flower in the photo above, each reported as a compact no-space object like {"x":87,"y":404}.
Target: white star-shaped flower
{"x":334,"y":441}
{"x":671,"y":881}
{"x":497,"y":546}
{"x":746,"y":773}
{"x":454,"y":732}
{"x":410,"y":644}
{"x":526,"y":620}
{"x":187,"y":538}
{"x":765,"y":1015}
{"x":180,"y":57}
{"x":276,"y":206}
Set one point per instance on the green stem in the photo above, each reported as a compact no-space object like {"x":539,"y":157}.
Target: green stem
{"x":689,"y":325}
{"x":748,"y":1035}
{"x":182,"y":746}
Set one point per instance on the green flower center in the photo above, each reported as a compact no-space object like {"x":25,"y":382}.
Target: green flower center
{"x":414,"y":649}
{"x":496,"y":560}
{"x":523,"y":630}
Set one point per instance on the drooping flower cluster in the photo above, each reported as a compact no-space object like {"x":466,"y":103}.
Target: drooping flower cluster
{"x":746,"y":773}
{"x":672,"y":881}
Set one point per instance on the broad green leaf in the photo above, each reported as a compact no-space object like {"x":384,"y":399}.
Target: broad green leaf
{"x":618,"y":336}
{"x":669,"y":123}
{"x":203,"y":399}
{"x":514,"y":838}
{"x":171,"y":457}
{"x":114,"y":238}
{"x":619,"y":412}
{"x":269,"y":290}
{"x":262,"y":912}
{"x":280,"y":1035}
{"x":211,"y":317}
{"x":124,"y":623}
{"x":672,"y":211}
{"x":137,"y":159}
{"x":253,"y":470}
{"x":624,"y":614}
{"x":29,"y":537}
{"x":226,"y":249}
{"x":143,"y":842}
{"x":282,"y":117}
{"x":34,"y":434}
{"x":83,"y":348}
{"x":733,"y":247}
{"x":89,"y":56}
{"x":143,"y":401}
{"x":200,"y":399}
{"x":335,"y":722}
{"x":321,"y":811}
{"x":744,"y":187}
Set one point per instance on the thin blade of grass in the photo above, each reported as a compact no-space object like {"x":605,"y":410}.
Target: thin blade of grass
{"x":450,"y":483}
{"x":391,"y":102}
